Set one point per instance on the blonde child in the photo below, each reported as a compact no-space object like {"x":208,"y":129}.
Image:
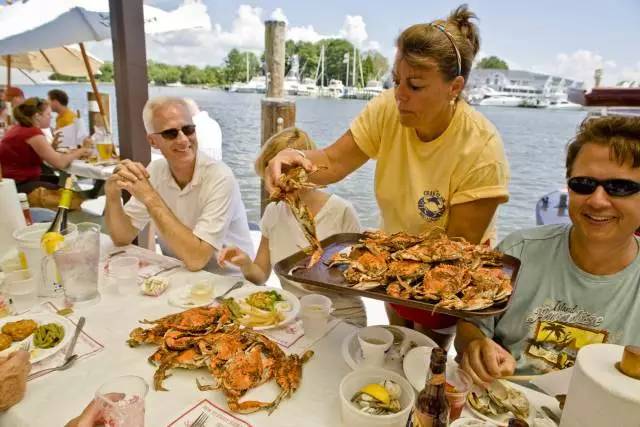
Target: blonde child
{"x":282,"y":235}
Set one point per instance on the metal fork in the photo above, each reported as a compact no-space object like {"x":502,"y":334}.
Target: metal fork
{"x":25,"y":346}
{"x":66,"y":365}
{"x":201,"y":420}
{"x":233,"y":288}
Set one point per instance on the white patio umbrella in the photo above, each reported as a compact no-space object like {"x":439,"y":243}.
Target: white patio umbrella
{"x":40,"y":24}
{"x":66,"y":60}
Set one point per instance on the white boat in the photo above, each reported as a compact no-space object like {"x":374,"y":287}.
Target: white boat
{"x":175,"y":84}
{"x":501,"y":101}
{"x":308,"y":87}
{"x":257,"y":84}
{"x":563,"y":104}
{"x":373,"y":88}
{"x":335,"y":89}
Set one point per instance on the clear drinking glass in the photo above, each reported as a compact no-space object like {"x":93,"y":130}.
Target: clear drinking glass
{"x":122,"y":401}
{"x":21,"y":289}
{"x":77,"y":263}
{"x":124,"y":273}
{"x":315,"y":310}
{"x":456,"y":390}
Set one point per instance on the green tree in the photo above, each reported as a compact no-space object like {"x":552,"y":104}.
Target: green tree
{"x":106,"y":72}
{"x":375,"y":63}
{"x":492,"y":62}
{"x":334,"y":52}
{"x":64,"y":78}
{"x":192,"y":75}
{"x":308,"y":54}
{"x":235,"y":68}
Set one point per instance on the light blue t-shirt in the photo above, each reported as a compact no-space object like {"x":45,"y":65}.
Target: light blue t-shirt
{"x":557,"y":308}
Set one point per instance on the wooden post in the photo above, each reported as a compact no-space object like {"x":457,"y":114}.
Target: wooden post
{"x":277,"y":113}
{"x":94,"y":86}
{"x":130,"y":75}
{"x":94,"y":115}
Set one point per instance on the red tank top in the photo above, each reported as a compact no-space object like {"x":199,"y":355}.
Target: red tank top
{"x":19,"y":160}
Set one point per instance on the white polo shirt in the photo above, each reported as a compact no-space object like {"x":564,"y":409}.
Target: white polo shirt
{"x":210,"y":205}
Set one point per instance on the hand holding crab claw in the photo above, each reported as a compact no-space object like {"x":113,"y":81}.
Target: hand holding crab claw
{"x":290,"y":158}
{"x":485,"y":361}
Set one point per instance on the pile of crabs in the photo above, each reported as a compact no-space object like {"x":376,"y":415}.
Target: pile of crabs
{"x":237,"y":359}
{"x":449,"y":272}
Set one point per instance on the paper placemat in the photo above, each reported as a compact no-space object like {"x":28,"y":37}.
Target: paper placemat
{"x":217,"y":417}
{"x":151,"y":263}
{"x":85,"y":347}
{"x":291,"y":337}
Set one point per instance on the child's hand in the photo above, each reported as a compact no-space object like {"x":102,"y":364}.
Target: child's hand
{"x":233,"y":255}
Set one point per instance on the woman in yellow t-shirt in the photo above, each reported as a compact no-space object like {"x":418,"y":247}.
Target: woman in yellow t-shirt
{"x":440,"y":163}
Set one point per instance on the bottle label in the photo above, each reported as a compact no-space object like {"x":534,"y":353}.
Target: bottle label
{"x":23,"y":260}
{"x":65,"y":199}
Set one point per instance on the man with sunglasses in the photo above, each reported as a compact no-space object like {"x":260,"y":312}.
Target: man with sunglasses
{"x":193,"y":201}
{"x":578,"y":283}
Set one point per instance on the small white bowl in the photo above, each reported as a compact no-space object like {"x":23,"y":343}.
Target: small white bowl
{"x":354,"y":381}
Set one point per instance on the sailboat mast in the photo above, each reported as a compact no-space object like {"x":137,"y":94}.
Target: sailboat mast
{"x":247,"y":58}
{"x":353,"y":72}
{"x":322,"y":61}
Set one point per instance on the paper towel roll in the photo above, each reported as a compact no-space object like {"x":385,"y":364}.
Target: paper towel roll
{"x":11,"y":217}
{"x":599,"y":394}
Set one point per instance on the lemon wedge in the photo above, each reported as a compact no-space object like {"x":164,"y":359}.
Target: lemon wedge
{"x":377,"y":391}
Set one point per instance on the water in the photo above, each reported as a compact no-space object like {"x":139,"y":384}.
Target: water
{"x":535,"y":141}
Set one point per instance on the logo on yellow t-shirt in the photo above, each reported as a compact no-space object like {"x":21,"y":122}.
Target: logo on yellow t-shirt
{"x":431,"y":205}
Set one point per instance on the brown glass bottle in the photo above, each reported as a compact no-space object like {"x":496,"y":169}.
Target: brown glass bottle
{"x":431,"y":408}
{"x":517,"y":422}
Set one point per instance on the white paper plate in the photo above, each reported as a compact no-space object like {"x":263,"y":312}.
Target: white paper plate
{"x":38,"y":354}
{"x":352,"y":353}
{"x":293,"y":300}
{"x":502,"y":420}
{"x":181,"y":297}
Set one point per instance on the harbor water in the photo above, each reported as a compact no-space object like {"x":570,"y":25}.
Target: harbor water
{"x":534,"y":139}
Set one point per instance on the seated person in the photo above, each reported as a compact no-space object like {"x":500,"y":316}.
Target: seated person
{"x":282,"y":236}
{"x":578,"y":283}
{"x":58,"y":99}
{"x":13,"y":378}
{"x":193,"y":201}
{"x":24,"y":147}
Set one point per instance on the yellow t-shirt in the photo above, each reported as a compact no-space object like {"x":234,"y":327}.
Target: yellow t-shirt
{"x":416,"y":183}
{"x":65,"y":119}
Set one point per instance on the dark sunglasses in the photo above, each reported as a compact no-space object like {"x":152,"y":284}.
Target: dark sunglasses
{"x":614,"y":187}
{"x":173,"y":133}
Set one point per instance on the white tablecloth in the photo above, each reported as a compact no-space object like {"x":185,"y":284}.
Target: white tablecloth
{"x":93,"y":171}
{"x":57,"y":397}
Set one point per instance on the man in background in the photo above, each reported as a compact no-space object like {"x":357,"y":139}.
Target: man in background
{"x":59,"y":101}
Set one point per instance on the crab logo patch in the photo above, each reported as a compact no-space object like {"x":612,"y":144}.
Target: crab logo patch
{"x":431,"y":205}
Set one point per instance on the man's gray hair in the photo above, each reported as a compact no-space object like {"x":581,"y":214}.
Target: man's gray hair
{"x":154,"y":104}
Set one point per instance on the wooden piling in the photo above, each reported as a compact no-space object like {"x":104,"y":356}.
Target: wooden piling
{"x":277,"y":112}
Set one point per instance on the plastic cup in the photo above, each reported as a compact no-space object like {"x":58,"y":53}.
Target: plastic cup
{"x":315,"y":310}
{"x":122,"y":400}
{"x":374,"y":342}
{"x":21,"y":289}
{"x":124,"y":272}
{"x":458,"y":385}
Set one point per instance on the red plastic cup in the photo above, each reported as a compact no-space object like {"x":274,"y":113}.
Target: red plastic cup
{"x":458,"y":385}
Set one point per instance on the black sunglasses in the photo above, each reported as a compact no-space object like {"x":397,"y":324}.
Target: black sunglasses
{"x":172,"y":133}
{"x":614,"y":187}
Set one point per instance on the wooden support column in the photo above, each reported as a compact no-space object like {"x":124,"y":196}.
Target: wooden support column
{"x":130,"y":75}
{"x":277,"y":113}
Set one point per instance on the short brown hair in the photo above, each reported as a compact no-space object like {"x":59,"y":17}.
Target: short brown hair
{"x":621,"y":134}
{"x":292,"y":137}
{"x":24,"y":112}
{"x":423,"y":42}
{"x":59,"y":95}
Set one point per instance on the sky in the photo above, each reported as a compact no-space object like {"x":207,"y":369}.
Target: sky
{"x":569,"y":38}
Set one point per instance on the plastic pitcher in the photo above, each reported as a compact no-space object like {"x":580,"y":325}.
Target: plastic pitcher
{"x":36,"y":260}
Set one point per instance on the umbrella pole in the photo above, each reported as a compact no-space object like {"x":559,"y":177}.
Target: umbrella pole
{"x":8,"y":70}
{"x":94,"y":86}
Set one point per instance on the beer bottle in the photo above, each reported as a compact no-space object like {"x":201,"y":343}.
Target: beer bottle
{"x":517,"y":422}
{"x":431,"y":408}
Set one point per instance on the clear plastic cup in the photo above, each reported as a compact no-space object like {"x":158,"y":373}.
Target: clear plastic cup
{"x":456,"y":390}
{"x":21,"y":289}
{"x":314,"y":311}
{"x":374,"y":342}
{"x":122,"y":400}
{"x":124,"y":273}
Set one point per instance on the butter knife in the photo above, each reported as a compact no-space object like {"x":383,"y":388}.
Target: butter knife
{"x":76,"y":334}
